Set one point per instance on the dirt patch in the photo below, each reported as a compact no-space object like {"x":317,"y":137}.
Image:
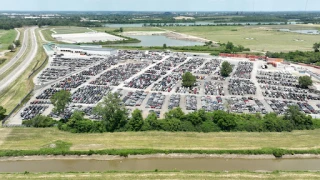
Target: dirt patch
{"x":180,"y":36}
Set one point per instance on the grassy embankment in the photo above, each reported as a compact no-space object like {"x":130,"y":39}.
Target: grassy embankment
{"x":32,"y":141}
{"x":11,"y":96}
{"x":265,"y":38}
{"x":186,"y":175}
{"x":6,"y":38}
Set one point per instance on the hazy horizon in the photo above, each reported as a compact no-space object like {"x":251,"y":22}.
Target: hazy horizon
{"x":162,"y":6}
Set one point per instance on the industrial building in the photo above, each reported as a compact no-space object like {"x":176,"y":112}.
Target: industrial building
{"x":84,"y":49}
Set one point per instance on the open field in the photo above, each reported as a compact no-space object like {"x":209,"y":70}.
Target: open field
{"x":6,"y":38}
{"x":126,"y":29}
{"x":33,"y":139}
{"x":254,"y":37}
{"x":70,"y":30}
{"x":166,"y":175}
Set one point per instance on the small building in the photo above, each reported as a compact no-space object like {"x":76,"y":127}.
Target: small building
{"x":85,"y":49}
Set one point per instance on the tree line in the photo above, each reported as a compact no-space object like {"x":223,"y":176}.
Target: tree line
{"x":18,"y":22}
{"x":115,"y":118}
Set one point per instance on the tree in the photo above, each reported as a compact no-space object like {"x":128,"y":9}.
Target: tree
{"x":230,"y":46}
{"x":164,"y":46}
{"x":188,"y":79}
{"x":121,"y":29}
{"x":2,"y":113}
{"x":174,"y":113}
{"x":316,"y":47}
{"x":112,"y":111}
{"x":305,"y":81}
{"x":60,"y":100}
{"x":226,"y":69}
{"x":11,"y":47}
{"x":298,"y":120}
{"x":17,"y":43}
{"x":136,"y":120}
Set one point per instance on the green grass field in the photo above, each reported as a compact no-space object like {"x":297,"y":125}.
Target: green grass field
{"x":265,"y":38}
{"x":33,"y":139}
{"x":71,"y":30}
{"x":185,"y":175}
{"x":6,"y":38}
{"x":127,"y":29}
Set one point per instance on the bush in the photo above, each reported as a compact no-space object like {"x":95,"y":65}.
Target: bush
{"x":40,"y":121}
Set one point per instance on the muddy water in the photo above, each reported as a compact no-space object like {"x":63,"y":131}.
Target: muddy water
{"x":204,"y":164}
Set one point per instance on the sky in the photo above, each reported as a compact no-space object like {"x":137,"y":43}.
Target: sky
{"x":160,"y":5}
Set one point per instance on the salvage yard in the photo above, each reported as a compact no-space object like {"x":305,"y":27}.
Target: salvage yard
{"x":152,"y":82}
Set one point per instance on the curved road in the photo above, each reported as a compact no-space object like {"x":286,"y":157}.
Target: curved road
{"x":11,"y":77}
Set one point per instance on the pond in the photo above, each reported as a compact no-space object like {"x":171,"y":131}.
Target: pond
{"x":159,"y":40}
{"x":150,"y":164}
{"x":311,"y":31}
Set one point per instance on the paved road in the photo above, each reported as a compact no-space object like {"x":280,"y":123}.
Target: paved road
{"x":11,"y":77}
{"x":22,"y":50}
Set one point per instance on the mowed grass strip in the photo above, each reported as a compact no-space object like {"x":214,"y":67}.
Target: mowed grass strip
{"x":254,"y":37}
{"x":34,"y":139}
{"x":185,"y":175}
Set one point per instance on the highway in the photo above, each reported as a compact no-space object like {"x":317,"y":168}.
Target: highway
{"x":31,"y":54}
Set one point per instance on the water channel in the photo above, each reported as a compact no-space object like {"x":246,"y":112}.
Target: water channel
{"x":132,"y":164}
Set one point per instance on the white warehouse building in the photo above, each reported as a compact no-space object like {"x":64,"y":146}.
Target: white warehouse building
{"x":85,"y":49}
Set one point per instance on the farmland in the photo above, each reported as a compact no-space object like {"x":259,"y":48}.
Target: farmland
{"x":34,"y":139}
{"x":258,"y":38}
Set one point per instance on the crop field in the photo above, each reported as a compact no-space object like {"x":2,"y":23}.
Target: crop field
{"x":33,"y":139}
{"x":166,"y":175}
{"x":259,"y":38}
{"x":6,"y":38}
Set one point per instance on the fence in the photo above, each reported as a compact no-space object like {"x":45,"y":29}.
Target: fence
{"x":15,"y":109}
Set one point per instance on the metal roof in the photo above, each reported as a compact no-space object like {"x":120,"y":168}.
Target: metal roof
{"x":85,"y":47}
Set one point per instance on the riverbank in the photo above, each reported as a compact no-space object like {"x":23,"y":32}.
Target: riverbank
{"x":169,"y":175}
{"x":156,"y":156}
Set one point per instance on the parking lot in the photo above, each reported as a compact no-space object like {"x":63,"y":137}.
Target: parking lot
{"x":151,"y":81}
